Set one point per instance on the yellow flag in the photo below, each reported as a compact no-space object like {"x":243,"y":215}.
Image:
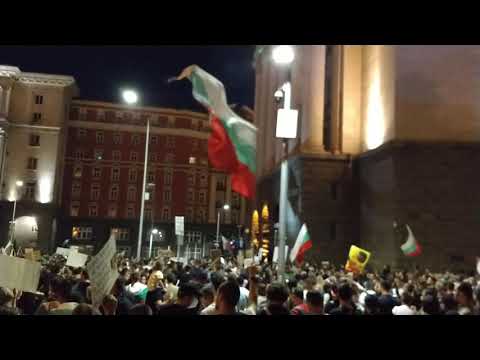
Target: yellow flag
{"x":357,"y":259}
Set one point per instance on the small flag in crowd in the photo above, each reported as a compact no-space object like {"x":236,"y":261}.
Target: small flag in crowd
{"x":357,"y":259}
{"x":478,"y":265}
{"x":411,"y":247}
{"x":232,"y":143}
{"x":302,"y":245}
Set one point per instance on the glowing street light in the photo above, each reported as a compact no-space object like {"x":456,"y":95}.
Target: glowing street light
{"x":225,"y":207}
{"x":130,"y":97}
{"x":283,"y":54}
{"x":19,"y":183}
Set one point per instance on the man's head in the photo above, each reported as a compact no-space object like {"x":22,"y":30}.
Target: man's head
{"x":345,"y":293}
{"x":6,"y":296}
{"x":430,"y":305}
{"x":216,"y":279}
{"x":228,"y":295}
{"x":207,"y":295}
{"x":140,"y":309}
{"x":385,"y":286}
{"x":449,"y":303}
{"x":85,"y":309}
{"x":315,"y":302}
{"x":296,"y":296}
{"x":119,"y":287}
{"x":171,"y":278}
{"x":188,"y":294}
{"x":465,"y":294}
{"x":109,"y":305}
{"x":277,"y":294}
{"x":60,"y":289}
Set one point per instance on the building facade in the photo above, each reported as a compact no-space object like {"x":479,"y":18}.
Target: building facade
{"x":386,"y":133}
{"x":103,"y":178}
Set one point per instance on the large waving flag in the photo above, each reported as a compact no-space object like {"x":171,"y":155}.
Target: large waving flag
{"x":301,"y":246}
{"x":232,"y":144}
{"x":411,"y":247}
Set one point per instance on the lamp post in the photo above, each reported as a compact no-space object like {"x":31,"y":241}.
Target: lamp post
{"x":131,"y":98}
{"x":226,"y":207}
{"x":284,"y":55}
{"x":19,"y":185}
{"x":152,"y":232}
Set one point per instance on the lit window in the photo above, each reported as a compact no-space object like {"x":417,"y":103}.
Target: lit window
{"x":81,"y":133}
{"x":117,"y":138}
{"x":74,"y":208}
{"x":82,"y":232}
{"x":96,"y":172}
{"x":115,"y":174}
{"x":76,"y":189}
{"x":130,"y":211}
{"x":123,"y":234}
{"x":95,"y":192}
{"x":38,"y":100}
{"x":30,"y":191}
{"x":167,"y":195}
{"x":113,"y":194}
{"x":135,"y":139}
{"x":112,"y":210}
{"x":191,"y":160}
{"x":32,"y":163}
{"x":34,"y":140}
{"x":133,"y":156}
{"x":99,"y":137}
{"x":116,"y":155}
{"x":77,"y":171}
{"x":78,"y":155}
{"x":93,"y":209}
{"x":147,"y":212}
{"x":131,"y":193}
{"x":132,"y":175}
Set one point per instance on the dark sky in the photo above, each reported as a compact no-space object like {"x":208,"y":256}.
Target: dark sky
{"x":101,"y":71}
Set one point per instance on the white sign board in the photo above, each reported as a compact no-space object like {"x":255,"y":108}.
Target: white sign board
{"x":18,"y":273}
{"x":63,"y":251}
{"x":287,"y":123}
{"x":102,"y":270}
{"x":275,"y":254}
{"x":247,"y":263}
{"x":76,"y":260}
{"x":179,"y":225}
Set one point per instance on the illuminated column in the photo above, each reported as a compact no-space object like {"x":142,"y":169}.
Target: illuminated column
{"x":228,"y":198}
{"x":337,"y":95}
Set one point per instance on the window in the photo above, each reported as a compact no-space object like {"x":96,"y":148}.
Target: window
{"x":201,"y":215}
{"x":77,"y":171}
{"x":168,"y":177}
{"x":32,"y":163}
{"x":203,"y":180}
{"x":132,"y":175}
{"x":76,"y":189}
{"x":117,"y":138}
{"x":151,"y":176}
{"x":101,"y":115}
{"x":94,"y":191}
{"x":37,"y":117}
{"x":82,"y":232}
{"x":81,"y":133}
{"x":190,"y":179}
{"x":135,"y":139}
{"x":220,"y":184}
{"x":166,"y":214}
{"x":38,"y":100}
{"x":74,"y":208}
{"x":189,"y":214}
{"x":99,"y":137}
{"x":169,"y":158}
{"x":132,"y":193}
{"x":96,"y":172}
{"x":34,"y":140}
{"x":130,"y":211}
{"x":154,"y":139}
{"x":114,"y":191}
{"x":78,"y":154}
{"x":112,"y":210}
{"x":116,"y":155}
{"x":133,"y":156}
{"x":192,"y":160}
{"x":115,"y":174}
{"x":98,"y":154}
{"x":123,"y":234}
{"x":93,"y":209}
{"x":167,"y":195}
{"x":170,"y":142}
{"x":190,"y":196}
{"x":148,"y":213}
{"x":202,"y":197}
{"x":152,"y":157}
{"x":30,"y":191}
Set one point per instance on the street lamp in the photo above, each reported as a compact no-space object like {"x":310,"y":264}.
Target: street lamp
{"x":226,"y":207}
{"x":284,"y":55}
{"x":153,"y":232}
{"x":18,"y":184}
{"x":130,"y":97}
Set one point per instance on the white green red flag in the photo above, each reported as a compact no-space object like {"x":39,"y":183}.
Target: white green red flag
{"x":302,"y":245}
{"x":232,"y":143}
{"x":411,"y":247}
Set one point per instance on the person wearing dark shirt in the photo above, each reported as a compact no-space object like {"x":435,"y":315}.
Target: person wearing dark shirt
{"x":125,"y":300}
{"x":187,"y":302}
{"x":333,"y":302}
{"x":277,"y":296}
{"x":345,"y":298}
{"x":386,"y":301}
{"x":228,"y":295}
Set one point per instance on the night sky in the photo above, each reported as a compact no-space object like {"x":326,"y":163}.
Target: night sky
{"x":101,"y":71}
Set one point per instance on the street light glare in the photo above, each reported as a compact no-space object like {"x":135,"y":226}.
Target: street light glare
{"x":283,"y":54}
{"x":19,"y":183}
{"x":226,"y":207}
{"x":155,"y":231}
{"x":130,"y":96}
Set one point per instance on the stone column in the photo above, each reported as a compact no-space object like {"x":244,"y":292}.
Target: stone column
{"x":212,"y":216}
{"x":337,"y":95}
{"x":228,"y":199}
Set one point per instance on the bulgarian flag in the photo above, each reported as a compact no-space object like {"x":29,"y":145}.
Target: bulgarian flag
{"x":301,"y":246}
{"x":411,"y":247}
{"x":232,"y":143}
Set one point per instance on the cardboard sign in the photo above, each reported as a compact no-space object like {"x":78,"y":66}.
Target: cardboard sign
{"x":76,"y":260}
{"x":275,"y":254}
{"x":18,"y":273}
{"x":103,"y":271}
{"x":247,"y":263}
{"x":63,"y":251}
{"x":357,"y":259}
{"x":249,"y":253}
{"x":179,"y":225}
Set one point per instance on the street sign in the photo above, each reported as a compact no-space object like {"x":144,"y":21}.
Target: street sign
{"x":287,"y":123}
{"x":179,"y":225}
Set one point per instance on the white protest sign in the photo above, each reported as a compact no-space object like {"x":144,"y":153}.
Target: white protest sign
{"x":18,"y":273}
{"x":247,"y":263}
{"x":76,"y":260}
{"x":63,"y":251}
{"x":102,"y":270}
{"x":275,"y":254}
{"x":179,"y":225}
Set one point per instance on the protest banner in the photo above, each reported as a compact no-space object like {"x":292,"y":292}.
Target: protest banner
{"x":18,"y":273}
{"x":76,"y":259}
{"x":275,"y":254}
{"x":102,"y":270}
{"x":357,"y":259}
{"x":63,"y":251}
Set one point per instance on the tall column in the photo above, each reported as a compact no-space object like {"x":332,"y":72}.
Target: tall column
{"x":228,"y":198}
{"x":212,"y":199}
{"x":337,"y":96}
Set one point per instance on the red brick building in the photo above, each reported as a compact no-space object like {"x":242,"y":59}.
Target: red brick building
{"x":103,"y":174}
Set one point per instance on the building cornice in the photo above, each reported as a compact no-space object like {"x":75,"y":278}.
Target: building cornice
{"x":9,"y":71}
{"x":46,"y":79}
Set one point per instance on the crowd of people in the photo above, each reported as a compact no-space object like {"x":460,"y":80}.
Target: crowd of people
{"x":164,"y":287}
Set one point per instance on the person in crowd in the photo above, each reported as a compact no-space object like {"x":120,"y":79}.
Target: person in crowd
{"x":466,"y":303}
{"x":314,"y":303}
{"x":155,"y":277}
{"x":140,"y":309}
{"x":386,"y":301}
{"x":406,"y":307}
{"x":277,"y":296}
{"x":125,"y":299}
{"x":450,"y":305}
{"x":171,"y":289}
{"x":244,"y":293}
{"x":85,"y":309}
{"x":227,"y":298}
{"x":345,"y":298}
{"x":207,"y":296}
{"x":137,"y":288}
{"x":371,"y":305}
{"x":109,"y":305}
{"x":80,"y":285}
{"x":7,"y":302}
{"x":59,"y":295}
{"x":430,"y":305}
{"x":187,"y":302}
{"x":216,"y":279}
{"x":299,"y":306}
